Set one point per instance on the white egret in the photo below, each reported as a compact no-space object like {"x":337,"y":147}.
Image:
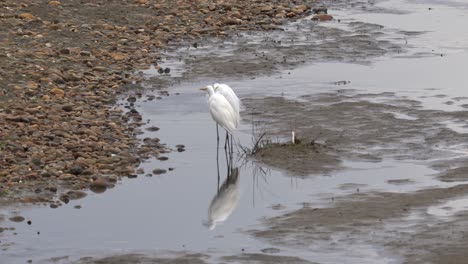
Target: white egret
{"x":232,"y":98}
{"x":223,"y":112}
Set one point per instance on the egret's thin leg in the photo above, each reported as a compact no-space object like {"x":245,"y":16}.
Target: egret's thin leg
{"x":217,"y":156}
{"x":229,"y":165}
{"x":232,"y":146}
{"x":226,"y":155}
{"x":226,"y":141}
{"x":217,"y":134}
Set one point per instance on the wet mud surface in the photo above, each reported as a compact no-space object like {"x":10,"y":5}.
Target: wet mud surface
{"x":365,"y":127}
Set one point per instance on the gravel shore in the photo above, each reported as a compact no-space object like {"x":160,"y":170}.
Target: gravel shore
{"x":64,"y":64}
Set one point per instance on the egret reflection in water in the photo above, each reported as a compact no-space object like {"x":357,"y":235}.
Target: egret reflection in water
{"x":226,"y":199}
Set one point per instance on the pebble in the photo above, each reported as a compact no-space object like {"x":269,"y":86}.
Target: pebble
{"x":159,"y":171}
{"x":322,"y":17}
{"x":98,"y":183}
{"x":17,"y":218}
{"x":152,"y":128}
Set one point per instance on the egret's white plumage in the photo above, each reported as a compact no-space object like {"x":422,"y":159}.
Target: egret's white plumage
{"x":232,"y":98}
{"x":221,"y":110}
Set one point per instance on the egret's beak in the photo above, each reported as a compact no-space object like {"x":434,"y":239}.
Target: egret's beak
{"x":203,"y":89}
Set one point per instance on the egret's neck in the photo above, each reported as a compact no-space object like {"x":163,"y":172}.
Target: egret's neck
{"x":210,"y":90}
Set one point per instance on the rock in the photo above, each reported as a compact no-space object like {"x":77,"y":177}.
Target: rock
{"x":232,"y":21}
{"x":27,"y":16}
{"x":163,"y":158}
{"x":56,"y":78}
{"x":152,"y":129}
{"x":299,"y":9}
{"x":167,"y":70}
{"x":54,"y":3}
{"x":67,"y":108}
{"x":76,"y":170}
{"x":85,"y":53}
{"x":75,"y":195}
{"x":117,"y":56}
{"x":264,"y":8}
{"x":322,"y":17}
{"x":64,"y":198}
{"x":99,"y":183}
{"x":17,"y":218}
{"x":159,"y":171}
{"x":57,"y":92}
{"x":320,"y":10}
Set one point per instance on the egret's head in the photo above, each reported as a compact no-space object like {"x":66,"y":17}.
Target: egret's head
{"x":208,"y":89}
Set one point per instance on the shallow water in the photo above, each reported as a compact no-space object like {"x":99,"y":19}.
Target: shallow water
{"x":168,"y":212}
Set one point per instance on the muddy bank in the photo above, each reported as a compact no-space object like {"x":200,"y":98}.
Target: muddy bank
{"x":195,"y":258}
{"x":396,"y":222}
{"x":64,"y":64}
{"x":353,"y":126}
{"x":140,"y":258}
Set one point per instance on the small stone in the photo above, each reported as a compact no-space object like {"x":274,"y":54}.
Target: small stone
{"x":167,"y":70}
{"x":76,"y":170}
{"x":77,"y":206}
{"x":99,"y":183}
{"x":180,"y":149}
{"x":117,"y":56}
{"x":320,"y":10}
{"x":64,"y":198}
{"x":85,"y":53}
{"x":54,"y":3}
{"x":322,"y":17}
{"x":75,"y":195}
{"x":27,"y":16}
{"x":17,"y":218}
{"x":65,"y":51}
{"x":152,"y":128}
{"x":265,"y":8}
{"x":131,"y":99}
{"x":29,"y":222}
{"x":159,"y":171}
{"x":67,"y":108}
{"x":299,"y":9}
{"x":232,"y":21}
{"x":57,"y":92}
{"x":163,"y":158}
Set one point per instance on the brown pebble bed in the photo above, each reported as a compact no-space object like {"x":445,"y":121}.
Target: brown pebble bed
{"x":65,"y":63}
